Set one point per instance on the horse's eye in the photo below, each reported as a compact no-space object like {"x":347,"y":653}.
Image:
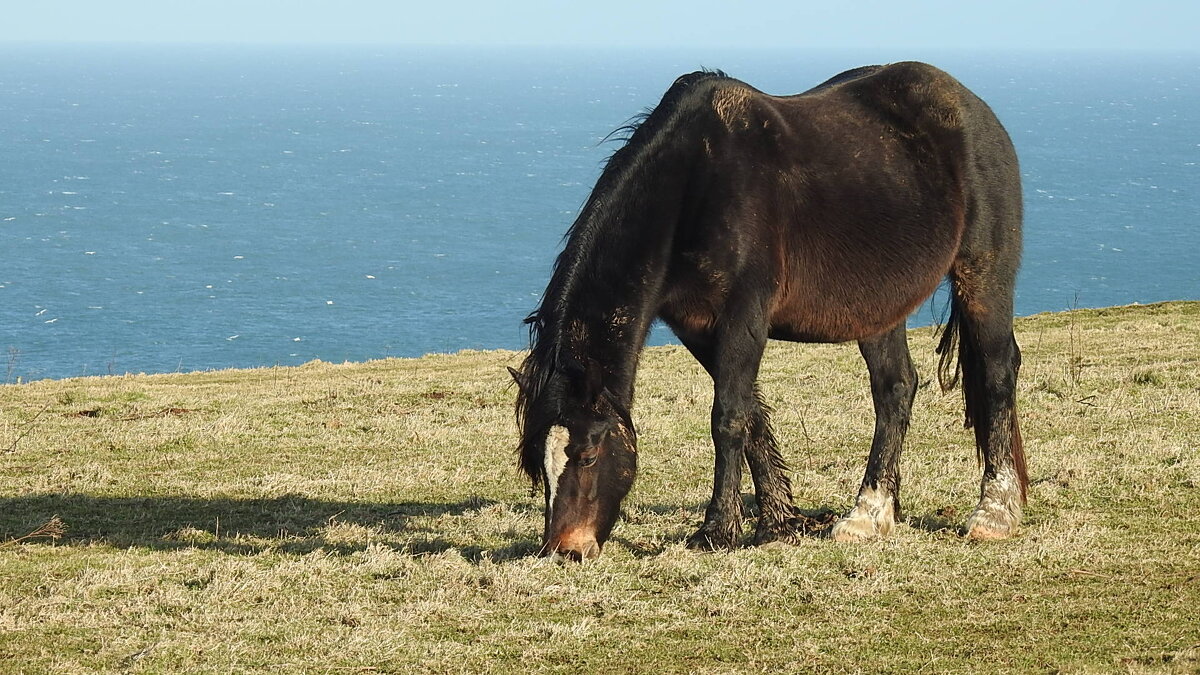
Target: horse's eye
{"x":599,"y":436}
{"x":589,"y":457}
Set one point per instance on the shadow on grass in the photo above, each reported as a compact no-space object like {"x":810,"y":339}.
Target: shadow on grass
{"x":296,"y":524}
{"x":938,"y":523}
{"x":292,"y":524}
{"x":808,"y":523}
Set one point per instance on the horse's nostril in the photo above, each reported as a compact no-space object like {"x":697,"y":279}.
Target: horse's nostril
{"x":562,"y":556}
{"x":573,"y":548}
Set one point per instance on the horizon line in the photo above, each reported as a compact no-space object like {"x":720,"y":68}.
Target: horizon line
{"x":626,"y":47}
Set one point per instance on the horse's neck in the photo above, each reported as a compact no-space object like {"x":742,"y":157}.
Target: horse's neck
{"x":616,"y":260}
{"x":608,"y":338}
{"x":606,"y":313}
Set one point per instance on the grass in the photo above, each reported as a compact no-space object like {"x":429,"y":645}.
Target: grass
{"x":369,"y":517}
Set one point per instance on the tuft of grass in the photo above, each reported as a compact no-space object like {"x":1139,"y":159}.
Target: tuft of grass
{"x":369,"y":517}
{"x":1147,"y":376}
{"x":52,"y":529}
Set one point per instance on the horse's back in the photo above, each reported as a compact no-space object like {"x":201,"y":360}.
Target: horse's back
{"x":925,"y":99}
{"x":863,"y":183}
{"x":988,"y":175}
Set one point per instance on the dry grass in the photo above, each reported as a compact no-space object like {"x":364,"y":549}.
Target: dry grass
{"x":368,"y":517}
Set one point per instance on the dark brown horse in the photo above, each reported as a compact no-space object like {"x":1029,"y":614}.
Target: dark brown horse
{"x":735,"y":216}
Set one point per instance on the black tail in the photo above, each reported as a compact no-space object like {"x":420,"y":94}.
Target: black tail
{"x":948,"y":377}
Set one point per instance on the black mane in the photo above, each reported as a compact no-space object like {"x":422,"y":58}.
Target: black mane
{"x":624,"y":133}
{"x":540,"y":392}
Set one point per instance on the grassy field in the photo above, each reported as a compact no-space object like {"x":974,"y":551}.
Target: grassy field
{"x":369,"y":518}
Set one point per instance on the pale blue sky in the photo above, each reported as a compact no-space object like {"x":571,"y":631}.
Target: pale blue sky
{"x":927,"y":24}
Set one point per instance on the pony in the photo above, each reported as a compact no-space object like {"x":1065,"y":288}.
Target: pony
{"x":735,"y":217}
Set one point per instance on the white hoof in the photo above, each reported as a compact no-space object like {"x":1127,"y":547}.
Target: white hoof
{"x":872,"y":516}
{"x":999,"y":512}
{"x":984,"y":525}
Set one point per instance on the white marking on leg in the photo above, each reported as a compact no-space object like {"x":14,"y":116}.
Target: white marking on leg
{"x":999,"y":510}
{"x":873,"y":514}
{"x":879,"y":505}
{"x":556,"y":458}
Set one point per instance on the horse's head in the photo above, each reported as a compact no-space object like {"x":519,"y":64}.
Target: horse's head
{"x":583,"y":452}
{"x":589,"y":466}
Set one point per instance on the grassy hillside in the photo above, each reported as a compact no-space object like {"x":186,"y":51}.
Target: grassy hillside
{"x":368,"y":517}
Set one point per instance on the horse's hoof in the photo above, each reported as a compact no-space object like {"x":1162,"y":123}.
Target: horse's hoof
{"x":989,"y":524}
{"x":873,"y":515}
{"x":714,"y":538}
{"x":777,"y":534}
{"x":999,"y":511}
{"x":859,"y":528}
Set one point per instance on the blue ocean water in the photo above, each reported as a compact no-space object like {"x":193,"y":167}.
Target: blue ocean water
{"x":180,"y":208}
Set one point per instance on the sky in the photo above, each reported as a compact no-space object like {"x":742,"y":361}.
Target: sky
{"x":927,"y":24}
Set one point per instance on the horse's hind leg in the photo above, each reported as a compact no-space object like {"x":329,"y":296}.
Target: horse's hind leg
{"x":893,"y":386}
{"x":990,"y":359}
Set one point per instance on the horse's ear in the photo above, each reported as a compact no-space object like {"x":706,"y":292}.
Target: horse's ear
{"x":522,"y":382}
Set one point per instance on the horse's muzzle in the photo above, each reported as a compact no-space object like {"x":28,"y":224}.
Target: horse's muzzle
{"x":574,"y":546}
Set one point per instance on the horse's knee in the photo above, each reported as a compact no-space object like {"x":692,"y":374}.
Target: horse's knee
{"x":732,"y":420}
{"x":904,"y":390}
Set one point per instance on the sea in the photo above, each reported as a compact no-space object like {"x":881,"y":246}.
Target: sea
{"x":173,"y":208}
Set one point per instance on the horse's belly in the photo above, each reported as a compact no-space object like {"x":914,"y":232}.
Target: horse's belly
{"x":812,"y":311}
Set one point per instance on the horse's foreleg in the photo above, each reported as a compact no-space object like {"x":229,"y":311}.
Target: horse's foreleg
{"x":732,"y":358}
{"x":722,"y":526}
{"x":893,"y":386}
{"x":777,"y":518}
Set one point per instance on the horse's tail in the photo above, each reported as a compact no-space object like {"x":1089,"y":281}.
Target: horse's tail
{"x":969,"y":367}
{"x":949,"y":368}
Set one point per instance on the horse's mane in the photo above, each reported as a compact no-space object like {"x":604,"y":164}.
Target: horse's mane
{"x":539,"y":392}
